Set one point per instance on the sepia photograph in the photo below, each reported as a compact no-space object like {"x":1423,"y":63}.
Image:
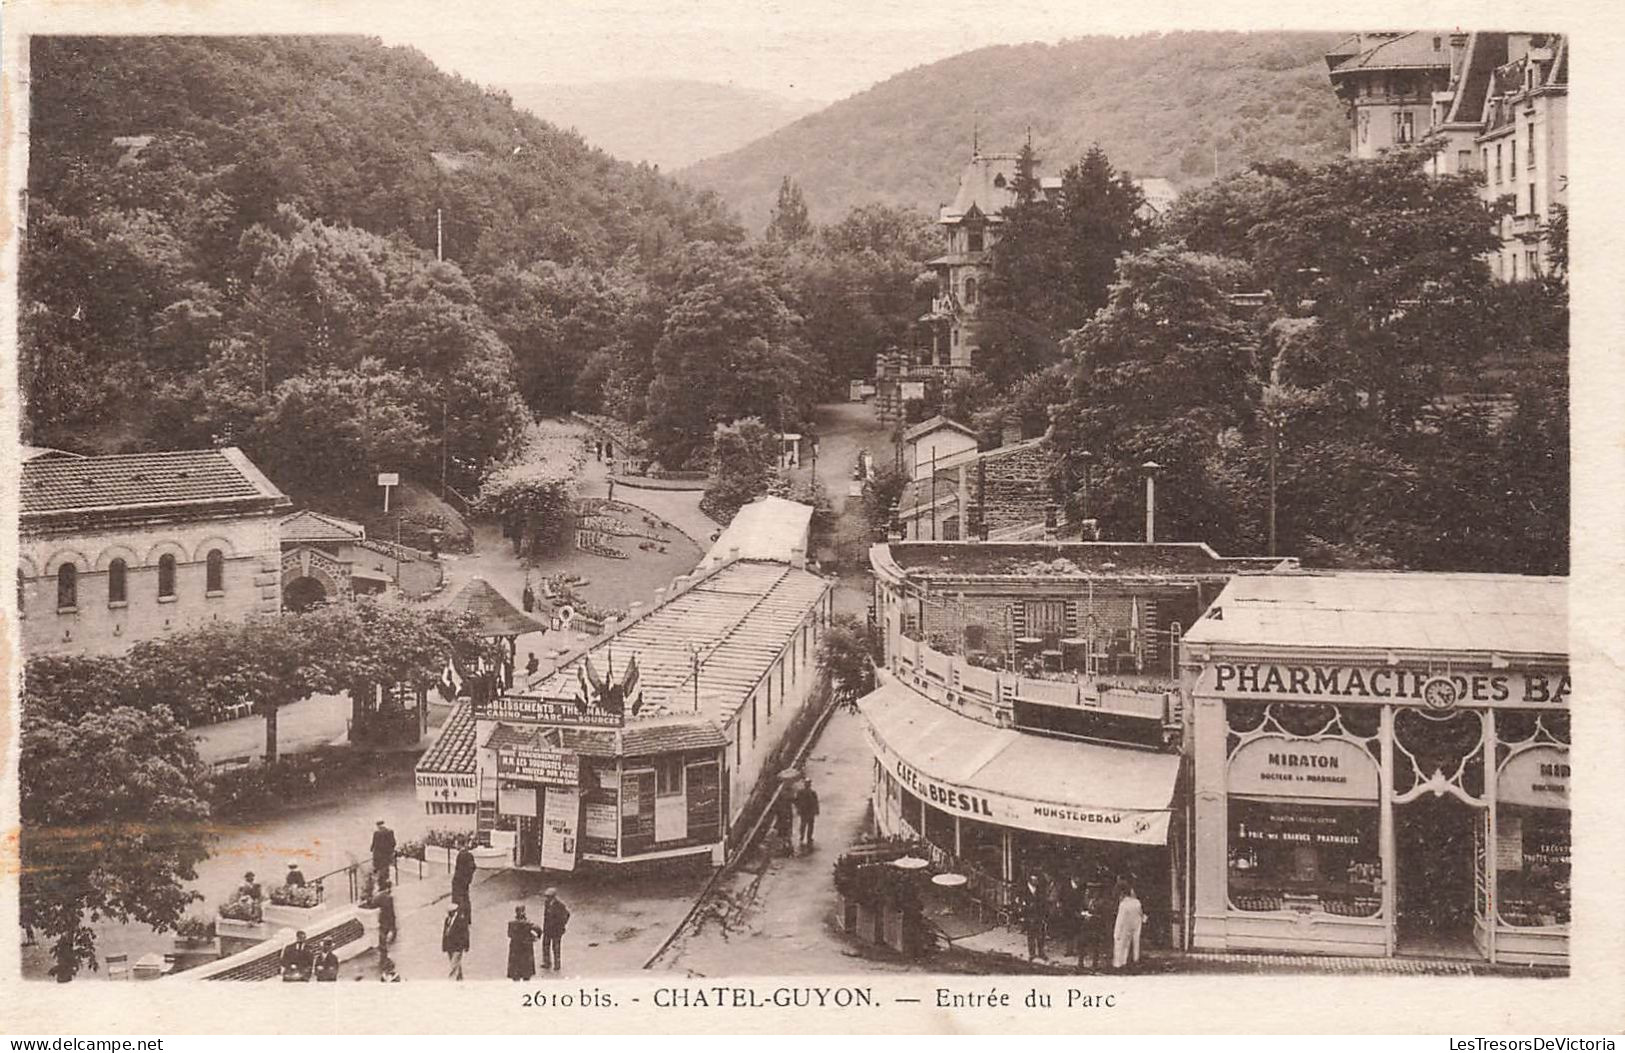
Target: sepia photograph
{"x":675,"y":502}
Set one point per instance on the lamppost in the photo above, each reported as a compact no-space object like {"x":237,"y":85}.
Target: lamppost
{"x":1150,"y":468}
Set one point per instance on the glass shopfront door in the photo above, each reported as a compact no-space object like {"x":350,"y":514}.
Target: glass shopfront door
{"x":1434,"y":840}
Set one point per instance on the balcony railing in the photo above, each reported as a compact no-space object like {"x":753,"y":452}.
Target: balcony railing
{"x":951,"y":680}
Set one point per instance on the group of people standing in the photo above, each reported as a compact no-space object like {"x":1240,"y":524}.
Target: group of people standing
{"x":796,"y":802}
{"x":1099,"y":920}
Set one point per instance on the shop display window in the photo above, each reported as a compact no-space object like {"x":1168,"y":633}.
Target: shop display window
{"x":939,"y":829}
{"x":1304,"y":857}
{"x":1532,"y":864}
{"x":912,"y":812}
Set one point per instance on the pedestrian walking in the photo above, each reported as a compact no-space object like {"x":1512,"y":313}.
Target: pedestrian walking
{"x":1126,"y":933}
{"x":454,"y":940}
{"x":1035,"y":910}
{"x":784,"y":813}
{"x":807,"y":809}
{"x":522,"y":936}
{"x":555,"y":918}
{"x":462,"y":877}
{"x":383,"y":847}
{"x":385,"y":902}
{"x":297,"y":960}
{"x":1073,"y":904}
{"x":327,"y":964}
{"x":1098,"y":925}
{"x":527,"y":599}
{"x":532,"y":663}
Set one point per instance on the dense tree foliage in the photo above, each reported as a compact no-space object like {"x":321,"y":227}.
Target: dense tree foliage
{"x":1054,"y":261}
{"x":245,"y":230}
{"x":744,"y":455}
{"x":1374,"y":382}
{"x":112,"y":820}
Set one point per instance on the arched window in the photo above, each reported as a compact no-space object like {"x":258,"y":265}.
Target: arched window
{"x":215,"y":580}
{"x":117,"y":572}
{"x":166,"y":576}
{"x":67,"y":586}
{"x":970,"y":290}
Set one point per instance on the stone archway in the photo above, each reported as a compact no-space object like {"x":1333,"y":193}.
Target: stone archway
{"x":303,"y":593}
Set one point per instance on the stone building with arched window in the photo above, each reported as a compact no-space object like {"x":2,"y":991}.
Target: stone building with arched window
{"x":118,"y":549}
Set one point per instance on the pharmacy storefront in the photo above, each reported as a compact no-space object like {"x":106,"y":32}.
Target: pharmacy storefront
{"x":1381,"y":800}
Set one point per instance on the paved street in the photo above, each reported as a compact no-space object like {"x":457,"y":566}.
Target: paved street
{"x":774,"y":911}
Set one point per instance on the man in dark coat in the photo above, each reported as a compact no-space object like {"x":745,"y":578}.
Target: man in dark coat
{"x":522,"y":936}
{"x":555,"y":916}
{"x":1035,"y":913}
{"x":454,"y":940}
{"x":297,"y":961}
{"x":1074,"y":904}
{"x":296,"y":877}
{"x":384,"y":900}
{"x":784,"y":813}
{"x":807,"y":808}
{"x":1102,"y":917}
{"x":462,"y":877}
{"x":327,"y":964}
{"x":383,"y":847}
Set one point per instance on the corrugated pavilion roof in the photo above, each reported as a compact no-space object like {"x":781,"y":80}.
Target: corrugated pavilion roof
{"x":138,"y":481}
{"x":1507,"y":614}
{"x":497,"y":617}
{"x":1066,"y":559}
{"x":766,"y":528}
{"x":743,"y":615}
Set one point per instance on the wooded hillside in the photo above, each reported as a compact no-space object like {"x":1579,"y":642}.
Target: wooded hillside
{"x":1159,"y":104}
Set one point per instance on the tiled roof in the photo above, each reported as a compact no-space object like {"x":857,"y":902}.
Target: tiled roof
{"x":306,"y":525}
{"x":497,"y":617}
{"x":1069,"y":559}
{"x":1504,"y":613}
{"x":980,"y":186}
{"x":1485,"y":52}
{"x":743,"y":614}
{"x":642,"y":740}
{"x":142,"y":481}
{"x":926,"y":427}
{"x":1413,"y":49}
{"x":766,"y":528}
{"x":453,"y":751}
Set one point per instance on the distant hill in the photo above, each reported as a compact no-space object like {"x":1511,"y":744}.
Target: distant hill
{"x":1159,"y":104}
{"x":670,"y":123}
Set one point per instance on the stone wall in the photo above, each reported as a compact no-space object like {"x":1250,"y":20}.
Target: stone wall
{"x":96,"y":625}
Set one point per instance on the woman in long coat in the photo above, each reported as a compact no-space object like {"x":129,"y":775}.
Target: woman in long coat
{"x":1126,"y":935}
{"x":522,"y":936}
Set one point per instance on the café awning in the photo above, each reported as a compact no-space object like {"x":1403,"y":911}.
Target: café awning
{"x":1011,"y":778}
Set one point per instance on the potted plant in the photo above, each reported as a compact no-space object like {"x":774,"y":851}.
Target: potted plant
{"x":194,"y":931}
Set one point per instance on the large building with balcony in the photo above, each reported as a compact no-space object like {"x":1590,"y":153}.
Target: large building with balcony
{"x":1027,"y":717}
{"x":1496,"y":105}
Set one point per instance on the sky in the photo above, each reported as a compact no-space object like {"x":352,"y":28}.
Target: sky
{"x":810,"y":49}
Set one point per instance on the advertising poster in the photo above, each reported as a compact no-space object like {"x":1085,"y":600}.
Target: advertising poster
{"x":560,"y":815}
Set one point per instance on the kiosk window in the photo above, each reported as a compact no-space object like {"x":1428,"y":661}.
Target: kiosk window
{"x":1304,"y":857}
{"x":1532,"y":860}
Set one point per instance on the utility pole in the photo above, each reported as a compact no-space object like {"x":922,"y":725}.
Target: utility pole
{"x":1274,"y":442}
{"x":933,"y":491}
{"x":1151,"y":468}
{"x":445,"y":415}
{"x":440,"y":235}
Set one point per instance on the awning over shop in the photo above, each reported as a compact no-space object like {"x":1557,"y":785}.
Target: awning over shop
{"x":1011,"y":778}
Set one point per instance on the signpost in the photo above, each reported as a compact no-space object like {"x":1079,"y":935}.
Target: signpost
{"x":387,"y":480}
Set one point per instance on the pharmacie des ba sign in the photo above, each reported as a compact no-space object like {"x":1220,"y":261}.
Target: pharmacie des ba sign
{"x":1380,"y":766}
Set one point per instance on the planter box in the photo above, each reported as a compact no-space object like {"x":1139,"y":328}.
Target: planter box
{"x":868,"y":924}
{"x":296,"y":918}
{"x":891,"y":923}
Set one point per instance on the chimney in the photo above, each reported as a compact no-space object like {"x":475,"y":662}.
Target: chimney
{"x":660,"y":597}
{"x":798,"y":557}
{"x":1458,"y":52}
{"x":733,"y":553}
